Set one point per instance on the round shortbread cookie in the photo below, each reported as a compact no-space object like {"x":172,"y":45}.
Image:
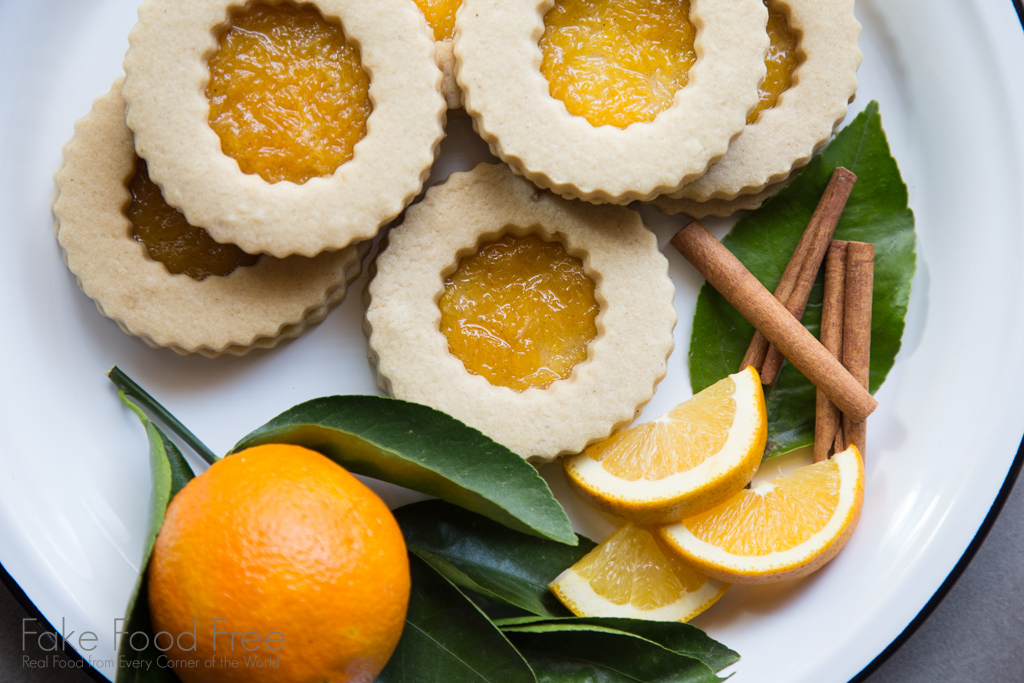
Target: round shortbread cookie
{"x":166,"y":76}
{"x":719,"y":208}
{"x":254,"y":307}
{"x":624,"y":362}
{"x":786,"y":136}
{"x":498,"y":68}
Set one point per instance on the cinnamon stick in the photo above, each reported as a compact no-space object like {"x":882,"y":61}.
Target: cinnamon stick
{"x":827,"y":419}
{"x":838,"y":446}
{"x":809,"y":244}
{"x":758,"y":344}
{"x":860,"y":278}
{"x":740,"y":288}
{"x":822,"y":226}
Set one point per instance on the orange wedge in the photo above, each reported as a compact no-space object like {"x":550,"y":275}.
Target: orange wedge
{"x":631,"y":574}
{"x":780,"y":529}
{"x":683,"y":463}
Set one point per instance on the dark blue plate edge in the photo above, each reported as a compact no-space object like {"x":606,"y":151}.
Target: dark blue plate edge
{"x":965,"y":559}
{"x":979,"y":538}
{"x":922,"y":616}
{"x":66,"y":648}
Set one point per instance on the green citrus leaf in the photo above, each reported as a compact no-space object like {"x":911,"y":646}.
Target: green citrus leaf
{"x":596,"y":654}
{"x":877,"y":212}
{"x":425,"y":450}
{"x":683,"y":639}
{"x":138,"y":658}
{"x":447,"y":638}
{"x":478,"y":555}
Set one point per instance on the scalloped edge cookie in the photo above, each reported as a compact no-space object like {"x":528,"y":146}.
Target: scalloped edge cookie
{"x":719,"y":208}
{"x":498,"y":68}
{"x":446,"y":62}
{"x":254,"y":307}
{"x":625,"y":361}
{"x":806,"y":115}
{"x":166,"y":77}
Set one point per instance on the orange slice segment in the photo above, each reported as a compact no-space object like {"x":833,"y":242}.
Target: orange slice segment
{"x":780,"y":529}
{"x":685,"y":462}
{"x":631,"y":574}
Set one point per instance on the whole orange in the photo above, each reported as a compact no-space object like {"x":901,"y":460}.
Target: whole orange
{"x":276,"y":564}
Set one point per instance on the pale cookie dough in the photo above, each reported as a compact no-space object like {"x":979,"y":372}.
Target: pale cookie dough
{"x":254,"y":307}
{"x":624,"y":362}
{"x":720,"y":208}
{"x":446,"y":62}
{"x":442,"y":51}
{"x":498,"y":68}
{"x":786,"y":136}
{"x":167,"y":109}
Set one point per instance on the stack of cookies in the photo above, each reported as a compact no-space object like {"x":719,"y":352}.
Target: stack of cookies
{"x":268,"y":133}
{"x":223,"y":194}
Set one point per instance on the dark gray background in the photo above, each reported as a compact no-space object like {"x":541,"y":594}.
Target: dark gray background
{"x":975,"y":635}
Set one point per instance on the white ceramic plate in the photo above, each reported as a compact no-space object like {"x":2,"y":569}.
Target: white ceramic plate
{"x":74,"y":479}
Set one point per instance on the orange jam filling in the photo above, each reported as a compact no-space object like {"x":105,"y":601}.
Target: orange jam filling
{"x":519,"y":312}
{"x":440,"y":16}
{"x":288,"y":95}
{"x":169,"y":239}
{"x":617,"y":62}
{"x":781,"y":61}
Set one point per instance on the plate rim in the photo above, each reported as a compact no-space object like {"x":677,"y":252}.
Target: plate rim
{"x":954,"y":575}
{"x":998,"y":504}
{"x":1012,"y":476}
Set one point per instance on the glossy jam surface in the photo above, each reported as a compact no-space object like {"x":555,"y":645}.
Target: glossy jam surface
{"x":288,"y":95}
{"x":440,"y":15}
{"x":169,"y":239}
{"x":520,"y":312}
{"x":781,"y":61}
{"x":617,"y":62}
